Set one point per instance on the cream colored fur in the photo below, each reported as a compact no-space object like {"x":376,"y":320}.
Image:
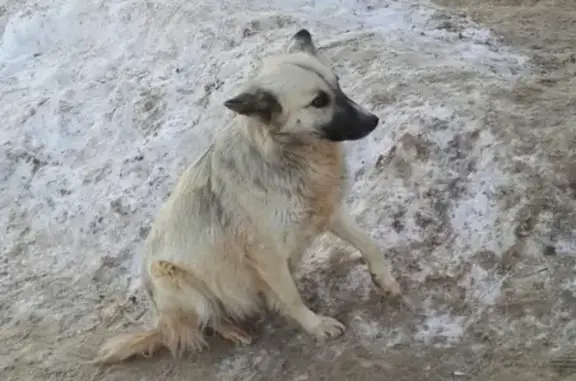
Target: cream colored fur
{"x":224,"y":244}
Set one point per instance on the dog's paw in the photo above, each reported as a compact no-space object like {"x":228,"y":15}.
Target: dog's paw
{"x":234,"y":334}
{"x":327,"y":328}
{"x":386,"y":285}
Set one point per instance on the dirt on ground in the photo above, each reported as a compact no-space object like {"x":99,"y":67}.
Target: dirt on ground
{"x":526,"y":335}
{"x":539,"y":117}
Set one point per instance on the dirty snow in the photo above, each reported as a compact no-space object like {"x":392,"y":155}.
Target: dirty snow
{"x":103,"y":103}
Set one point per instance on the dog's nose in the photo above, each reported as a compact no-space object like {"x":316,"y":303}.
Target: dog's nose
{"x":373,"y":121}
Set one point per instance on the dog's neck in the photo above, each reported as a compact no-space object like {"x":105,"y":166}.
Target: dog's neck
{"x":272,"y":145}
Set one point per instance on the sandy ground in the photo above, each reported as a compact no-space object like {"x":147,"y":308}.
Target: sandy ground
{"x":469,"y":185}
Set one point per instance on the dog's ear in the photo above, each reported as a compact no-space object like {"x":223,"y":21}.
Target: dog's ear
{"x":258,"y":102}
{"x":302,"y":42}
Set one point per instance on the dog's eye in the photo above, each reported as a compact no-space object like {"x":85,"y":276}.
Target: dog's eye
{"x":322,"y":100}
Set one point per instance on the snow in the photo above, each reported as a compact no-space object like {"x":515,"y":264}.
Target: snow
{"x":103,"y":103}
{"x":443,"y":326}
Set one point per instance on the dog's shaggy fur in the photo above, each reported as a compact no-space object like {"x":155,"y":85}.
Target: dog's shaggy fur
{"x":241,"y":216}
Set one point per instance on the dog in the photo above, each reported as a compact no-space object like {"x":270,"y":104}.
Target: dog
{"x":226,"y":242}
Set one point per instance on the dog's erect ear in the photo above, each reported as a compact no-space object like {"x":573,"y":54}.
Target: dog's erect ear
{"x":256,"y":102}
{"x":302,"y":42}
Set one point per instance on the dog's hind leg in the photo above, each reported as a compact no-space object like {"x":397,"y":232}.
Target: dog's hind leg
{"x":346,"y":229}
{"x":182,"y":303}
{"x":283,"y":293}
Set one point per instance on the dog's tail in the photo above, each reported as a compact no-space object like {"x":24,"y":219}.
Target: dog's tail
{"x":125,"y":346}
{"x":178,"y":336}
{"x":183,"y":309}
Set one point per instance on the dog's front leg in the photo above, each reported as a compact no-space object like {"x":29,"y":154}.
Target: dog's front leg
{"x":283,"y":289}
{"x":346,"y":229}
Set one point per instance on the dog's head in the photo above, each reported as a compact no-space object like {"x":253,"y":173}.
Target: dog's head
{"x":297,"y":95}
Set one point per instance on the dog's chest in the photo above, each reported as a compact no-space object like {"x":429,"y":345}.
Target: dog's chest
{"x":294,"y":196}
{"x":323,"y":187}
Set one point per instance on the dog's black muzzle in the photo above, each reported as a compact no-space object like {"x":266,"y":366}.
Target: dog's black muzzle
{"x":349,"y":121}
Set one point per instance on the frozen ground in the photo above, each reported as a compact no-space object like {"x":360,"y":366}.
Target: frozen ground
{"x":102,"y":104}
